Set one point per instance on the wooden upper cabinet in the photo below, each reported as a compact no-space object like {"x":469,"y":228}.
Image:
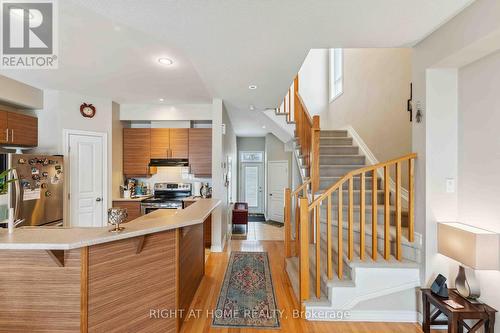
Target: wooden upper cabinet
{"x":3,"y":127}
{"x":200,"y":151}
{"x":160,"y":143}
{"x":179,"y":142}
{"x":136,"y":151}
{"x":23,"y":130}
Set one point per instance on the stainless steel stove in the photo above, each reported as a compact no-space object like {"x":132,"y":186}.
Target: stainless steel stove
{"x":166,"y":196}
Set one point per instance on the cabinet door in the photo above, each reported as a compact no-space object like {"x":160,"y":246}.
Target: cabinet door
{"x":179,"y":138}
{"x":133,"y":208}
{"x":160,"y":142}
{"x":23,"y":129}
{"x":200,"y":151}
{"x":3,"y":127}
{"x":136,"y":155}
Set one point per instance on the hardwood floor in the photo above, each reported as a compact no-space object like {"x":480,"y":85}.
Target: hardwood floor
{"x":208,"y":292}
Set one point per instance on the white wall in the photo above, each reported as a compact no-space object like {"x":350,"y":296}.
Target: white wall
{"x":165,"y":112}
{"x":61,"y":110}
{"x":479,"y":156}
{"x":468,"y":37}
{"x":313,"y":81}
{"x":19,"y":94}
{"x":230,"y":149}
{"x":223,"y":145}
{"x":117,"y":151}
{"x":376,"y":90}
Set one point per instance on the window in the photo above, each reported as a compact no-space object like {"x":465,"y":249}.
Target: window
{"x":336,"y":73}
{"x":252,"y":156}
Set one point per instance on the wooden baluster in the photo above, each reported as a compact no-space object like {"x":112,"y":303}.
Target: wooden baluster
{"x":362,"y":217}
{"x":297,"y":224}
{"x":398,"y":211}
{"x":304,"y":251}
{"x":387,"y":214}
{"x":318,"y":252}
{"x":350,"y":252}
{"x":284,"y":105}
{"x":329,"y":237}
{"x":289,"y":105}
{"x":374,"y":215}
{"x":288,"y":227}
{"x":411,"y":198}
{"x":340,"y":263}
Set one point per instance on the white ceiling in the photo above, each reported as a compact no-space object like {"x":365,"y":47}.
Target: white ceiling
{"x":220,"y":47}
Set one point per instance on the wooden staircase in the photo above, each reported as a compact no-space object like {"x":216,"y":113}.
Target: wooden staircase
{"x":345,"y":215}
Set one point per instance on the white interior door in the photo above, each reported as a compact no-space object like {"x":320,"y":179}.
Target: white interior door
{"x":252,"y":181}
{"x":277,"y":182}
{"x":86,"y":188}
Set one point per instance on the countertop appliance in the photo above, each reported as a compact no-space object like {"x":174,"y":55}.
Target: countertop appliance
{"x":37,"y":194}
{"x":166,"y":196}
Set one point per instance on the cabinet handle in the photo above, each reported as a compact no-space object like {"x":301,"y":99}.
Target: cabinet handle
{"x":12,"y":135}
{"x":7,"y":135}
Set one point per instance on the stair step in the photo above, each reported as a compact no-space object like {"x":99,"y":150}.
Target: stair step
{"x":331,"y":159}
{"x":333,"y":133}
{"x":326,"y":182}
{"x":336,"y":170}
{"x":338,"y":150}
{"x":333,"y":141}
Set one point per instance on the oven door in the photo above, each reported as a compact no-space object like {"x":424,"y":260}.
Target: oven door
{"x":148,"y":208}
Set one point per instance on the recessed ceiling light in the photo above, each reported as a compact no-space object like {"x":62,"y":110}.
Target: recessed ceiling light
{"x":251,"y":107}
{"x":264,"y":126}
{"x":252,"y":87}
{"x":165,"y":61}
{"x":162,"y":100}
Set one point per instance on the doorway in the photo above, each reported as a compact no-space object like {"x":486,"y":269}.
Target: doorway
{"x":252,"y":181}
{"x":277,"y":182}
{"x":86,"y":163}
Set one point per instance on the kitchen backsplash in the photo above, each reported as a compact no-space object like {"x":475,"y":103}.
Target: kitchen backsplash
{"x":173,"y":174}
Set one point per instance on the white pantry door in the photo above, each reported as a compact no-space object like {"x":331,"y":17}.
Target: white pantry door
{"x":86,"y":169}
{"x":277,"y":182}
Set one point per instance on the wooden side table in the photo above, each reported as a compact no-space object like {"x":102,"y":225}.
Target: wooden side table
{"x":484,"y":314}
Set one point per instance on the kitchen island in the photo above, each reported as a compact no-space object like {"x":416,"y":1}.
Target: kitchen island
{"x":92,"y":280}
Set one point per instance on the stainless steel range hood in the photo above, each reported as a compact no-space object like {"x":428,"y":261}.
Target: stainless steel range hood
{"x":168,"y":162}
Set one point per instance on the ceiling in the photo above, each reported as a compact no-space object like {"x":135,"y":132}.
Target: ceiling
{"x":220,"y":47}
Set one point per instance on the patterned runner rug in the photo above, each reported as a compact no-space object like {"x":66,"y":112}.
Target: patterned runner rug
{"x":247,"y":296}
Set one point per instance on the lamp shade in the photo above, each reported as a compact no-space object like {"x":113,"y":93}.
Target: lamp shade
{"x":471,"y":246}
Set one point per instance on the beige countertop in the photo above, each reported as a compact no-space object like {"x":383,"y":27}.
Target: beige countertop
{"x":192,"y":198}
{"x":133,"y":199}
{"x":58,"y":238}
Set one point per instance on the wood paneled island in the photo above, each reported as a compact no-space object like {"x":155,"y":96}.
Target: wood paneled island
{"x":91,"y":280}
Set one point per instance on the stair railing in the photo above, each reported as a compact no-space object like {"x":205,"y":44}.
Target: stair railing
{"x":291,"y":205}
{"x":314,"y":208}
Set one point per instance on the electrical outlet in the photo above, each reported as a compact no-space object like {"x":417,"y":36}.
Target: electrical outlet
{"x":450,"y":185}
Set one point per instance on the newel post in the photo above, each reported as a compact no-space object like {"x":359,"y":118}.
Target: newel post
{"x":288,"y":229}
{"x":315,"y":136}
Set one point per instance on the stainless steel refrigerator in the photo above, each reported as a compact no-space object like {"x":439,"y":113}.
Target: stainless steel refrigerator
{"x":37,"y":194}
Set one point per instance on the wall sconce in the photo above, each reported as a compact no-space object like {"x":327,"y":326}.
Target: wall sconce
{"x":419,"y":114}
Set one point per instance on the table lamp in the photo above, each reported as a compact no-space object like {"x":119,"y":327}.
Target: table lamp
{"x":474,"y":248}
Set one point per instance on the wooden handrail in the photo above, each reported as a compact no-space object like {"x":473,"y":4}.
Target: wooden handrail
{"x":290,"y":198}
{"x":338,"y":188}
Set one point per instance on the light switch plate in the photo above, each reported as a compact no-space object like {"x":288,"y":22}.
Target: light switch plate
{"x":450,"y":185}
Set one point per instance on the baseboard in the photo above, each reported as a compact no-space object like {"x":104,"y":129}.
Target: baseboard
{"x":367,"y":316}
{"x":372,"y":159}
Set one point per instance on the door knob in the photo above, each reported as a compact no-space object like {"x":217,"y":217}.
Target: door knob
{"x":98,"y":199}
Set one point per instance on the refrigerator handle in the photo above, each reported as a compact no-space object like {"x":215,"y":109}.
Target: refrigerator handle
{"x":18,"y":194}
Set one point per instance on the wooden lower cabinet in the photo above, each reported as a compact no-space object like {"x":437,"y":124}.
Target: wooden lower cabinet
{"x":133,"y":208}
{"x":128,"y":285}
{"x":207,"y":233}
